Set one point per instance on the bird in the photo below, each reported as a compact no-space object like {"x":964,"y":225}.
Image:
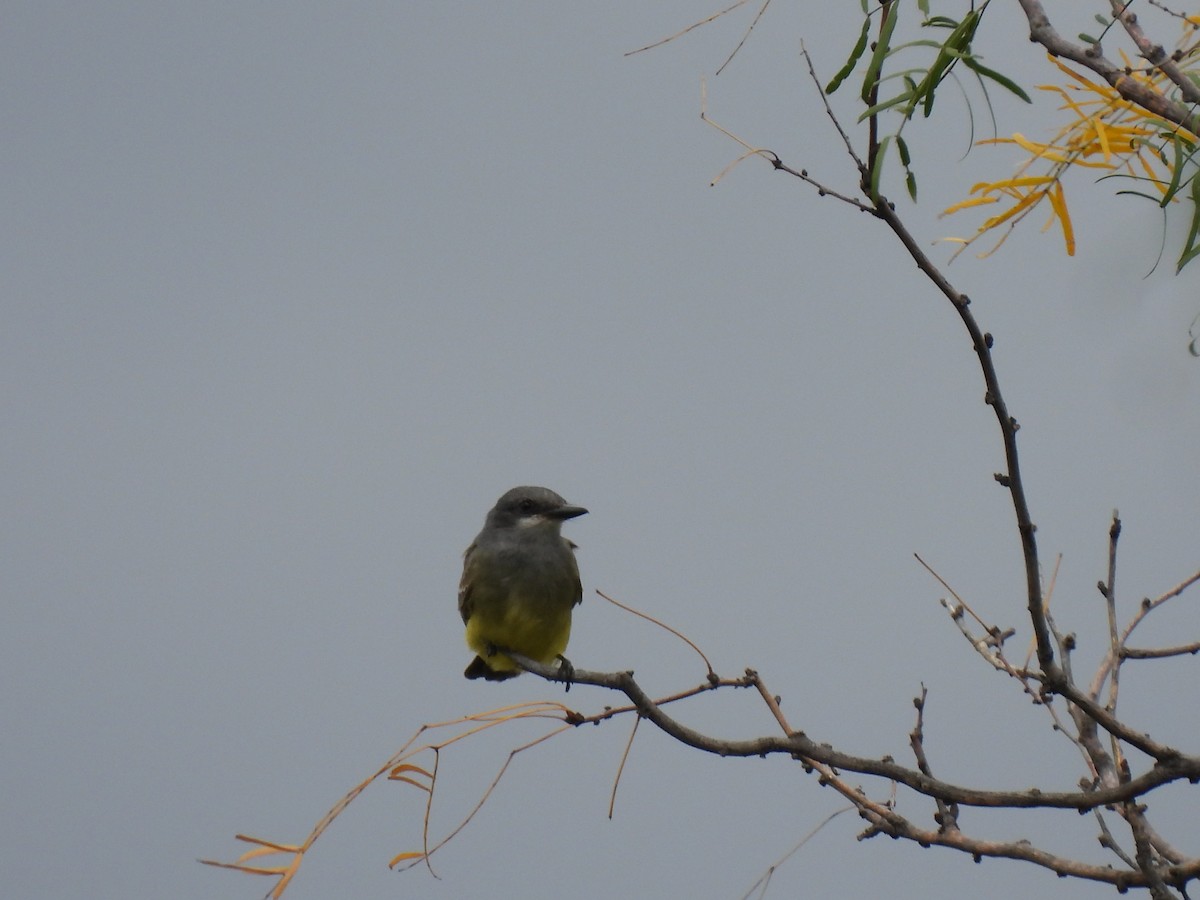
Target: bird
{"x":520,"y":583}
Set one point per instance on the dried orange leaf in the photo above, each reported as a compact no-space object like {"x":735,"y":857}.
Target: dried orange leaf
{"x":405,"y":857}
{"x":409,"y":767}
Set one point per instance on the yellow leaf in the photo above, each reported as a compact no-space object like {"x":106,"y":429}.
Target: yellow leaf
{"x":1026,"y":181}
{"x":1024,"y":142}
{"x":968,"y":203}
{"x":1068,"y":103}
{"x":1043,"y":151}
{"x":1023,"y":204}
{"x":1102,"y":137}
{"x":1102,"y":89}
{"x":260,"y":851}
{"x":247,"y":839}
{"x":1058,"y":202}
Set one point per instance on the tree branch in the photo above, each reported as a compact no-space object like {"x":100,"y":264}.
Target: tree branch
{"x":797,"y":744}
{"x":1042,"y":32}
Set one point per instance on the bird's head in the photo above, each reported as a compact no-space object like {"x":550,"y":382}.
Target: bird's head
{"x":532,"y":507}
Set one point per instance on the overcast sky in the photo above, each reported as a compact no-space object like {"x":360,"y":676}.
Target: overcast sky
{"x":292,"y":292}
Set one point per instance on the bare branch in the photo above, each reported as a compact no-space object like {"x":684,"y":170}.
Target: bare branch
{"x":1161,"y":652}
{"x":1042,"y":32}
{"x":883,"y":819}
{"x":1174,"y":767}
{"x":947,"y":814}
{"x":863,"y":171}
{"x":1153,"y":53}
{"x":1146,"y":607}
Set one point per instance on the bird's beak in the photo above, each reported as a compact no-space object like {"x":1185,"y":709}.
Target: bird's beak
{"x":565,"y":512}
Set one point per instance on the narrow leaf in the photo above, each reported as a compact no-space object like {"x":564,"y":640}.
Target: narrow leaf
{"x":1003,"y":80}
{"x":882,"y":43}
{"x":404,"y":857}
{"x":968,"y":203}
{"x":1176,"y":167}
{"x":877,"y":170}
{"x":1058,"y":202}
{"x":1190,"y":248}
{"x":855,"y":54}
{"x":886,"y":104}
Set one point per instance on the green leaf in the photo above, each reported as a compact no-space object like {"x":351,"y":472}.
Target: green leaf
{"x":1190,"y":248}
{"x":955,"y":48}
{"x":877,"y":170}
{"x":882,"y":43}
{"x":910,"y":179}
{"x":886,"y":104}
{"x":1132,"y":193}
{"x":855,"y":54}
{"x":1176,"y":168}
{"x":1003,"y":80}
{"x":1186,"y":258}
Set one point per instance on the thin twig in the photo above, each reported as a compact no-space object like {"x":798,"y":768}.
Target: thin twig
{"x":612,"y":800}
{"x":765,"y":878}
{"x":1109,"y":590}
{"x":863,"y":171}
{"x":947,"y":814}
{"x":663,"y":625}
{"x":762,"y":9}
{"x":694,"y":25}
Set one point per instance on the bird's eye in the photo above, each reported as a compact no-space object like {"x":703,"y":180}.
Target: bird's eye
{"x":526,"y":505}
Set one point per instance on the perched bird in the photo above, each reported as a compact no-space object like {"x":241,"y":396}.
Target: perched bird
{"x":519,"y":583}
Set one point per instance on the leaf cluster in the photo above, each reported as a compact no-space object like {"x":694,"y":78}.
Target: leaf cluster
{"x":908,"y":87}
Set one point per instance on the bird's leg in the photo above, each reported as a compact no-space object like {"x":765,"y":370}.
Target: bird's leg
{"x":566,"y":671}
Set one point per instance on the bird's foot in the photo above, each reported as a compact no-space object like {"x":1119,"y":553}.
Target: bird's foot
{"x":566,"y":671}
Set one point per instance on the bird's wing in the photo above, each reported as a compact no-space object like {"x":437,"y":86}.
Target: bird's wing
{"x":575,"y":571}
{"x":465,"y":604}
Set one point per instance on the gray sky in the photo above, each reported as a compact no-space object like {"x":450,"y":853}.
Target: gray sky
{"x":293,"y":292}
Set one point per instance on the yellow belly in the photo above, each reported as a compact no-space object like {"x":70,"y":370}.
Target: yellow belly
{"x":538,"y":633}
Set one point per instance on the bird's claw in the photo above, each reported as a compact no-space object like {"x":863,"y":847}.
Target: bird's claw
{"x":566,"y":671}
